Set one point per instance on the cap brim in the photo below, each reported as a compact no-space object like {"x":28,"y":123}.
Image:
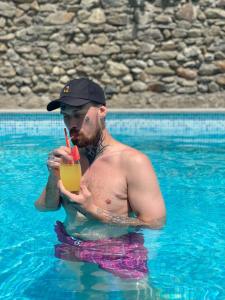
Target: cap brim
{"x":70,"y":101}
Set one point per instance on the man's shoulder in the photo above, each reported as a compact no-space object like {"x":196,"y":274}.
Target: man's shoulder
{"x":133,"y":157}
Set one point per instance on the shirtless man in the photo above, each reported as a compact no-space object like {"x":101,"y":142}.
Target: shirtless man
{"x":119,"y":185}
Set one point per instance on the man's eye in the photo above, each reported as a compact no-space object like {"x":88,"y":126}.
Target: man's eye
{"x":78,"y":115}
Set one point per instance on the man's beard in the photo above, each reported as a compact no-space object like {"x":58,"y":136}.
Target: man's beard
{"x":93,"y":146}
{"x":82,"y":141}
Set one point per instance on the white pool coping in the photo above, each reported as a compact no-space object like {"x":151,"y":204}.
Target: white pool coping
{"x":125,"y":110}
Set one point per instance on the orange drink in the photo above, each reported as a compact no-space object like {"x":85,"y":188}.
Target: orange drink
{"x":70,"y":175}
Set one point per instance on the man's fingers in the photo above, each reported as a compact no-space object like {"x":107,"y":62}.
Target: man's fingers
{"x":82,"y":182}
{"x":84,"y":190}
{"x":72,"y":197}
{"x":54,"y":165}
{"x":57,"y":159}
{"x":61,"y":155}
{"x":62,"y":151}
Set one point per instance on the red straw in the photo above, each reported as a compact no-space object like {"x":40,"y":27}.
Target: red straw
{"x":67,"y":139}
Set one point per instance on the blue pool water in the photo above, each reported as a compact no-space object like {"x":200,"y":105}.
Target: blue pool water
{"x":186,"y":259}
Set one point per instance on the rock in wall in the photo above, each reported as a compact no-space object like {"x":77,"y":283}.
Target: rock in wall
{"x":131,"y":47}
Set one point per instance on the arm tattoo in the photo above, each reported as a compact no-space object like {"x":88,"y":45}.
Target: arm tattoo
{"x":127,"y":221}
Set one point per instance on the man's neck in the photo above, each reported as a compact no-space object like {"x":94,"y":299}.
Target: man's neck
{"x":94,"y":151}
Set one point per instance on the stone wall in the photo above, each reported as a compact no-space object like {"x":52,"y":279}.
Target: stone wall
{"x":136,"y":49}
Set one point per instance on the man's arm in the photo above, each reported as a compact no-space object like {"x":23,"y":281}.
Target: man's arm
{"x":144,"y":196}
{"x":49,"y":199}
{"x":107,"y":217}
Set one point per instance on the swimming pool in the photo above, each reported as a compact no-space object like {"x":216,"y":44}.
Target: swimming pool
{"x":185,"y":260}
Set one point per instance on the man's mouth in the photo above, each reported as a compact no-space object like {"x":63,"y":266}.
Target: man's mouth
{"x":74,"y":134}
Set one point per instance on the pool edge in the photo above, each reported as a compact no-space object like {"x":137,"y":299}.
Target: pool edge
{"x":123,"y":110}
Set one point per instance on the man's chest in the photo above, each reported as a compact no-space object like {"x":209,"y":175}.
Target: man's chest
{"x":106,"y":181}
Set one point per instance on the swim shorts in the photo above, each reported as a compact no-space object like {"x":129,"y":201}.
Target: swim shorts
{"x":124,"y":256}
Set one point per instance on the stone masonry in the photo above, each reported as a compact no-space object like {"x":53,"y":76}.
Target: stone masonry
{"x":144,"y":53}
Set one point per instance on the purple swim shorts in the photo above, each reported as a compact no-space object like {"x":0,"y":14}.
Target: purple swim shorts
{"x":124,"y":256}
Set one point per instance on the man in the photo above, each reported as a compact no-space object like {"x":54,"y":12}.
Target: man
{"x":118,"y":187}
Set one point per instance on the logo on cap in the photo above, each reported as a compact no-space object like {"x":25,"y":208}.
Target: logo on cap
{"x":66,"y":89}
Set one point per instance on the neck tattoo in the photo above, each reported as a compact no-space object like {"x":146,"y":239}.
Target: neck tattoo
{"x":94,"y":151}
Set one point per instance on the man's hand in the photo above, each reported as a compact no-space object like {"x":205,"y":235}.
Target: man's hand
{"x":83,"y":198}
{"x":56,"y":158}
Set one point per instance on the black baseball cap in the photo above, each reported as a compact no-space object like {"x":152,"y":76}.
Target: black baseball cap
{"x":78,"y":92}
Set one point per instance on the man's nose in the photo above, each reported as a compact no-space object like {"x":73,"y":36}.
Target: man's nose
{"x":74,"y":131}
{"x":74,"y":127}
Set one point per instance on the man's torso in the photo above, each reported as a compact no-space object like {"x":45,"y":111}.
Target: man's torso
{"x":105,"y":178}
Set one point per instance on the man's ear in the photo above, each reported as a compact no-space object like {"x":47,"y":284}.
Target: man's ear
{"x":102,"y":112}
